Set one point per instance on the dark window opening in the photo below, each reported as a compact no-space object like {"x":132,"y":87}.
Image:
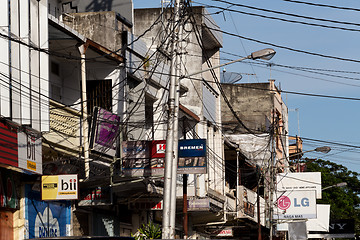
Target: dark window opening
{"x":99,"y":94}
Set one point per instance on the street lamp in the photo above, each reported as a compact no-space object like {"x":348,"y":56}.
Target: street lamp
{"x":342,"y":184}
{"x":265,"y":54}
{"x":324,"y":149}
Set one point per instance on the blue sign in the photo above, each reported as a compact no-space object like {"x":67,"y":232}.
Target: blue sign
{"x":44,"y":218}
{"x":192,"y":148}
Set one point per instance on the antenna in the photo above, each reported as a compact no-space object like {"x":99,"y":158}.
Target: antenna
{"x":230,"y":77}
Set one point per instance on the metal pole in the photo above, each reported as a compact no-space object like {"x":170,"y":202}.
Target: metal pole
{"x":272,"y":161}
{"x":185,"y":206}
{"x":176,"y":123}
{"x":167,"y":229}
{"x":258,"y":203}
{"x":237,"y":180}
{"x":82,"y":50}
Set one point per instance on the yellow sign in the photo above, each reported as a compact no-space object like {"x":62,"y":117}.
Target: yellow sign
{"x":59,"y":187}
{"x":31,"y":165}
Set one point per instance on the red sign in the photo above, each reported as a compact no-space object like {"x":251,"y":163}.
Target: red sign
{"x":284,"y":202}
{"x":8,"y":145}
{"x":158,"y":148}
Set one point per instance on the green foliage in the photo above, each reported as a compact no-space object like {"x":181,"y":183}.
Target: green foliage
{"x":344,"y":201}
{"x":149,"y":231}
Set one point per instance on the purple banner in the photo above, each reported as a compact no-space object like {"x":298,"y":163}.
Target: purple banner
{"x":105,"y":130}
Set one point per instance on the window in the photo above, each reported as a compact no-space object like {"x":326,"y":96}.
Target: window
{"x":99,"y":94}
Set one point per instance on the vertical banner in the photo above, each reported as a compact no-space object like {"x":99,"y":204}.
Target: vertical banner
{"x":105,"y":129}
{"x":45,"y":219}
{"x":8,"y":145}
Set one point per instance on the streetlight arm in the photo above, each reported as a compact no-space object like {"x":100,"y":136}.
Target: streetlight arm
{"x":215,"y":67}
{"x":342,"y":184}
{"x":265,"y":54}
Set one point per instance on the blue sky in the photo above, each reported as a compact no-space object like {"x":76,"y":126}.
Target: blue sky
{"x":325,"y":119}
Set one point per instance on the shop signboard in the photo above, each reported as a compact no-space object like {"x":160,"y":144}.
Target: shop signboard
{"x":30,"y":151}
{"x":8,"y":195}
{"x":302,"y":181}
{"x":105,"y":129}
{"x":45,"y":219}
{"x":226,"y":232}
{"x":158,"y":148}
{"x":198,"y":204}
{"x":95,"y":197}
{"x":192,"y":156}
{"x":147,"y":158}
{"x":59,"y":187}
{"x":295,"y":205}
{"x":137,"y":159}
{"x":146,"y":204}
{"x":21,"y":149}
{"x":8,"y":145}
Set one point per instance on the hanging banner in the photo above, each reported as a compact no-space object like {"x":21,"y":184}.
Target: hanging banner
{"x":45,"y":219}
{"x":59,"y":187}
{"x":105,"y":129}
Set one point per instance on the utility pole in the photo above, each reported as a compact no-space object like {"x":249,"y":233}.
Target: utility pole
{"x":272,"y":161}
{"x":169,"y":210}
{"x":82,"y":49}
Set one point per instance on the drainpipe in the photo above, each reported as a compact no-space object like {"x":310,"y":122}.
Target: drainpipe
{"x":82,"y":49}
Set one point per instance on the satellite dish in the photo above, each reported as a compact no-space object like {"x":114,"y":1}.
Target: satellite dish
{"x":230,"y":77}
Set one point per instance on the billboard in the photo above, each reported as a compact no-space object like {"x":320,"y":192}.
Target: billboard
{"x":59,"y":187}
{"x":147,"y":158}
{"x":192,"y":156}
{"x":302,"y":181}
{"x":21,"y":149}
{"x":45,"y":219}
{"x":295,"y":205}
{"x":30,"y":152}
{"x":320,"y":224}
{"x":105,"y":129}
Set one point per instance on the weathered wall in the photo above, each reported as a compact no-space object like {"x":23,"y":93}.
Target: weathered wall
{"x":100,"y":27}
{"x":251,"y":104}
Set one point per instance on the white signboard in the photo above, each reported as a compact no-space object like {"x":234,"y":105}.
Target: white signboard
{"x":295,"y":205}
{"x":30,"y":152}
{"x":303,"y":181}
{"x":59,"y":187}
{"x":320,"y":224}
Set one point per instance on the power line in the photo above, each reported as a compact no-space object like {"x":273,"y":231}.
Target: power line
{"x":323,"y":5}
{"x":285,"y":20}
{"x":287,"y":48}
{"x":288,"y":14}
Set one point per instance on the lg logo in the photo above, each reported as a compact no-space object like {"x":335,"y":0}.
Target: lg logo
{"x":284,"y":202}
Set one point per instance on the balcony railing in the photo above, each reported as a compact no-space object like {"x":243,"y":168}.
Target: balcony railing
{"x":65,"y":125}
{"x":247,"y":205}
